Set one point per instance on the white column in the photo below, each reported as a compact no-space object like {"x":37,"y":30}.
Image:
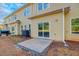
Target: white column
{"x":63,"y":27}
{"x":65,"y":44}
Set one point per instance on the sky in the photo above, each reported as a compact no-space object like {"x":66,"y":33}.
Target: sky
{"x":8,"y":8}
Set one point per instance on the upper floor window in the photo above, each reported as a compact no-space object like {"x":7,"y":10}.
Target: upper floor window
{"x":14,"y":17}
{"x":42,"y":6}
{"x":45,"y":5}
{"x":27,"y":12}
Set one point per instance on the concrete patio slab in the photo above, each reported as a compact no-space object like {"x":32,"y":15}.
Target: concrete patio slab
{"x":36,"y":45}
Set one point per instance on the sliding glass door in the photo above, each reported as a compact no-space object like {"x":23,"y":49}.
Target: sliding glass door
{"x":43,"y":29}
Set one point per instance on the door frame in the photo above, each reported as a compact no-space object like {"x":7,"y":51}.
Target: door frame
{"x":43,"y":28}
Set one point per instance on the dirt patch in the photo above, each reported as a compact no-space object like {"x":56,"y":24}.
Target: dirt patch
{"x":8,"y":47}
{"x":58,"y":49}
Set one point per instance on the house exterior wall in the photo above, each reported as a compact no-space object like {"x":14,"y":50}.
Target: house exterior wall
{"x":55,"y":20}
{"x":55,"y":26}
{"x":19,"y":16}
{"x":51,"y":7}
{"x":71,"y":15}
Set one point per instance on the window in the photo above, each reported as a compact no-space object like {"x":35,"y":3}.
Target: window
{"x":43,"y":29}
{"x":13,"y":28}
{"x":40,"y":28}
{"x":25,"y":27}
{"x":75,"y":25}
{"x":27,"y":12}
{"x":29,"y":28}
{"x":45,"y":5}
{"x":14,"y":17}
{"x":21,"y":27}
{"x":46,"y":29}
{"x":42,"y":6}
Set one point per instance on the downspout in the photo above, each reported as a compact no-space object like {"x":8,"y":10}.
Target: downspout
{"x":65,"y":44}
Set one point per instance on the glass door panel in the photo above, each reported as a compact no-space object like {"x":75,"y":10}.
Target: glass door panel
{"x":43,"y":29}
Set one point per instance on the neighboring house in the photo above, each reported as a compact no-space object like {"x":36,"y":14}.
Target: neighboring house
{"x":45,"y":20}
{"x":1,"y":26}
